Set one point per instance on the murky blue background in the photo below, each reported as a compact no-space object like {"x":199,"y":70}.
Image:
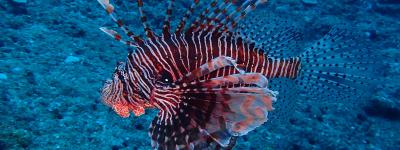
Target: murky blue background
{"x":54,"y":60}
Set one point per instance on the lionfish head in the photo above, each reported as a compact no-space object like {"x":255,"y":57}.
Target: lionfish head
{"x":122,"y":95}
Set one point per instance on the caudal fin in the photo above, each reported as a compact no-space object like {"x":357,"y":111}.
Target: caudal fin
{"x":338,"y":68}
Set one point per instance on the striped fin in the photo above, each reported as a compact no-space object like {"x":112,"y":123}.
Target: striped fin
{"x":167,"y":21}
{"x":279,"y":40}
{"x":184,"y":19}
{"x":338,"y":69}
{"x":111,"y":12}
{"x":208,"y":111}
{"x":214,"y":18}
{"x":196,"y":24}
{"x":150,"y":34}
{"x":185,"y":131}
{"x":209,"y":24}
{"x":219,"y":17}
{"x":229,"y":22}
{"x":211,"y":113}
{"x":245,"y":107}
{"x":288,"y":104}
{"x":114,"y":34}
{"x":275,"y":35}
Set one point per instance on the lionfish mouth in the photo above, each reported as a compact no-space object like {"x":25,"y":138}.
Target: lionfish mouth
{"x":113,"y":96}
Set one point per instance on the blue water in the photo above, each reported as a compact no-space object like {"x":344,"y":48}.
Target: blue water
{"x":54,"y":60}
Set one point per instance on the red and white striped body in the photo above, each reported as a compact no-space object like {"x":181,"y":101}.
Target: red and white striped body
{"x":166,"y":61}
{"x":180,"y":54}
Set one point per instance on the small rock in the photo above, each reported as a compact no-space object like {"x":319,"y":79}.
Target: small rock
{"x":384,"y":108}
{"x":139,"y":126}
{"x":3,"y":76}
{"x":371,"y":34}
{"x":310,"y":2}
{"x":115,"y":147}
{"x":308,"y":19}
{"x":30,"y":77}
{"x":72,"y":59}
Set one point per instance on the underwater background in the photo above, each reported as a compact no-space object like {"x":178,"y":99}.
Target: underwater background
{"x":54,"y":61}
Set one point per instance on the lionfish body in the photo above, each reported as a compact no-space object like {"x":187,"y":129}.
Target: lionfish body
{"x":209,"y":82}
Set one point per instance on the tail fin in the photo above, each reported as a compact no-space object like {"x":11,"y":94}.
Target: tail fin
{"x":338,"y":69}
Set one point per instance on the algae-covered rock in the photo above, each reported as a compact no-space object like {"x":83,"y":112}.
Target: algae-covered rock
{"x":72,"y":59}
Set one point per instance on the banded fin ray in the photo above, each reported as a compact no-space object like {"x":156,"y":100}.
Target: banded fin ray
{"x":336,"y":63}
{"x":213,"y":110}
{"x":337,"y":68}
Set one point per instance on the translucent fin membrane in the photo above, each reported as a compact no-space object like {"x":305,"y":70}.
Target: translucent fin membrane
{"x":339,"y":69}
{"x":275,"y":35}
{"x":287,"y":104}
{"x":229,"y":22}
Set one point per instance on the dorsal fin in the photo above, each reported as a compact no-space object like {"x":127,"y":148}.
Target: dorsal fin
{"x":143,"y":19}
{"x":207,"y":22}
{"x":167,"y":21}
{"x":275,"y":35}
{"x":188,"y":13}
{"x":227,"y":19}
{"x":114,"y":34}
{"x":214,"y":18}
{"x":111,"y":12}
{"x":194,"y":26}
{"x":229,"y":22}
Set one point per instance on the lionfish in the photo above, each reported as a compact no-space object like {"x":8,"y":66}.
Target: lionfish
{"x":210,"y":80}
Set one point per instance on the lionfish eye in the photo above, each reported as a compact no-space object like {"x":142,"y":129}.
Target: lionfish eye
{"x":165,"y":77}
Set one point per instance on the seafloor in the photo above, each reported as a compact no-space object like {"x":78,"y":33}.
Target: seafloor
{"x":54,"y":60}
